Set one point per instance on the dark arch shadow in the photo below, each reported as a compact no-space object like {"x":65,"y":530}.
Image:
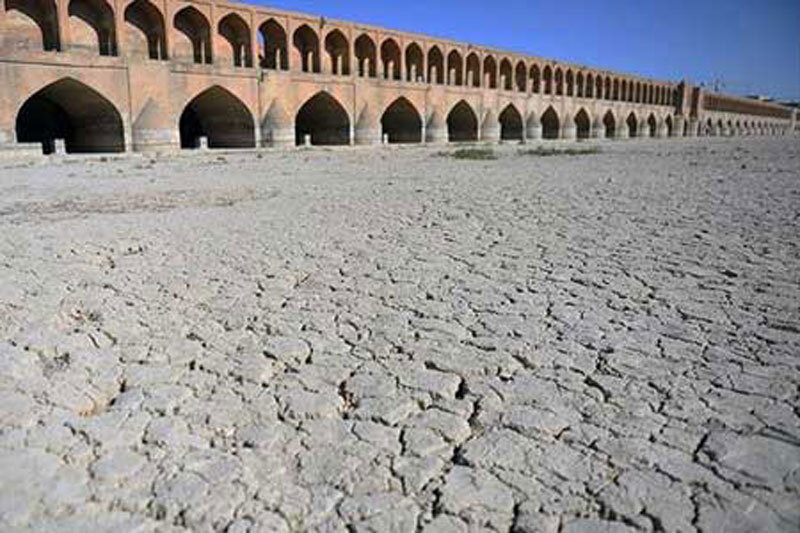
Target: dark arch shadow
{"x":510,"y":124}
{"x":402,"y":123}
{"x":551,"y":125}
{"x":324,"y":118}
{"x":74,"y":112}
{"x":220,"y":117}
{"x":611,"y":124}
{"x":45,"y":15}
{"x":583,"y":124}
{"x":462,"y":123}
{"x":633,"y":126}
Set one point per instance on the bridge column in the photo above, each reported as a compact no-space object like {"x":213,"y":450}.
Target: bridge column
{"x":533,"y":127}
{"x":623,"y":132}
{"x":643,"y":129}
{"x":436,"y":130}
{"x":598,"y":129}
{"x":678,"y":124}
{"x":63,"y":25}
{"x":662,"y":131}
{"x":490,"y":129}
{"x":570,"y":129}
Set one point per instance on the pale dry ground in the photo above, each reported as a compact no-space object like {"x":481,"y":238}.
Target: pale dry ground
{"x":367,"y":340}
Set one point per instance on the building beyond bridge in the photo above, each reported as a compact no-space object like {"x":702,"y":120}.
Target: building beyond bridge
{"x":122,"y":75}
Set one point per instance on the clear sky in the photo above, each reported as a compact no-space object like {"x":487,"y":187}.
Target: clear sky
{"x":750,"y":46}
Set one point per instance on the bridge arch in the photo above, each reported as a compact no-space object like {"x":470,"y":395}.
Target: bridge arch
{"x":415,"y":63}
{"x":324,"y":119}
{"x":551,"y":124}
{"x":219,"y":116}
{"x":670,"y":125}
{"x":67,"y":109}
{"x":462,"y":123}
{"x":366,"y":56}
{"x":536,"y":79}
{"x":273,"y":46}
{"x":402,"y":122}
{"x":579,"y":85}
{"x":473,"y":71}
{"x":559,"y":80}
{"x":93,"y":17}
{"x":490,"y":72}
{"x":390,"y":57}
{"x":195,"y":27}
{"x":610,"y":123}
{"x":588,"y":91}
{"x":652,"y":126}
{"x":583,"y":124}
{"x":506,"y":75}
{"x":633,"y":125}
{"x":145,"y":17}
{"x":435,"y":66}
{"x":338,"y":49}
{"x":511,"y":128}
{"x":44,"y":15}
{"x":547,"y":78}
{"x":521,"y":77}
{"x":455,"y":69}
{"x":570,"y":83}
{"x":236,"y":32}
{"x":306,"y":42}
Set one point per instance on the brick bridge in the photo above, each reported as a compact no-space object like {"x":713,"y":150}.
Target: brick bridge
{"x":122,"y":75}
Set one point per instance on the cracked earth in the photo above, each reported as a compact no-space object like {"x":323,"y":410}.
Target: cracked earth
{"x":398,"y":341}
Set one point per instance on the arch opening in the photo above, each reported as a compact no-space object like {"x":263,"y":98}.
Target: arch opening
{"x":633,"y":125}
{"x":551,"y":125}
{"x":220,"y":117}
{"x":462,"y":123}
{"x":536,"y":79}
{"x":455,"y":69}
{"x":511,"y":128}
{"x":195,"y":27}
{"x":473,"y":70}
{"x":146,"y":17}
{"x":366,"y":55}
{"x":100,"y":17}
{"x":583,"y":124}
{"x":506,"y":75}
{"x":435,"y":66}
{"x":306,"y":43}
{"x":44,"y":14}
{"x":490,"y":72}
{"x":236,"y":31}
{"x":273,"y":46}
{"x":652,"y":126}
{"x":415,"y":63}
{"x":521,"y":76}
{"x":610,"y":124}
{"x":402,"y":123}
{"x":390,"y":57}
{"x":73,"y":112}
{"x":338,"y":49}
{"x":325,"y":120}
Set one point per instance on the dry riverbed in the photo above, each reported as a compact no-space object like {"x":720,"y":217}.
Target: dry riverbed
{"x":399,"y":340}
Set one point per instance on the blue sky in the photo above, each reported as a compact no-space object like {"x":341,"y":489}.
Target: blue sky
{"x":751,"y":46}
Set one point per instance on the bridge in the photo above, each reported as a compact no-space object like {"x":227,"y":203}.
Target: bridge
{"x":160,"y":75}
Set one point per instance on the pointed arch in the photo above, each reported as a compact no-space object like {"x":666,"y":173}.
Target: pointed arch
{"x":273,"y":46}
{"x":652,"y":126}
{"x":521,"y":77}
{"x":511,"y":128}
{"x":570,"y":83}
{"x":599,"y":85}
{"x":147,"y":18}
{"x":506,"y":75}
{"x":615,"y":90}
{"x":490,"y":72}
{"x":415,"y":63}
{"x":402,"y":122}
{"x":219,"y":116}
{"x":670,"y":126}
{"x":324,"y":119}
{"x":306,"y":42}
{"x":536,"y":79}
{"x":462,"y":123}
{"x":70,"y":110}
{"x":551,"y":124}
{"x":473,"y":70}
{"x":455,"y":68}
{"x":579,"y":85}
{"x":633,"y":125}
{"x":610,"y":123}
{"x":547,"y":78}
{"x":589,"y":90}
{"x":366,"y":56}
{"x":195,"y":27}
{"x":390,"y":57}
{"x":607,"y":89}
{"x":559,"y":80}
{"x":237,"y":33}
{"x":435,"y":66}
{"x":44,"y":14}
{"x":338,"y":49}
{"x":98,"y":15}
{"x":583,"y":124}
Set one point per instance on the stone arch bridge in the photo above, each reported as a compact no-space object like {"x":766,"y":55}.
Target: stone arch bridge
{"x":146,"y":75}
